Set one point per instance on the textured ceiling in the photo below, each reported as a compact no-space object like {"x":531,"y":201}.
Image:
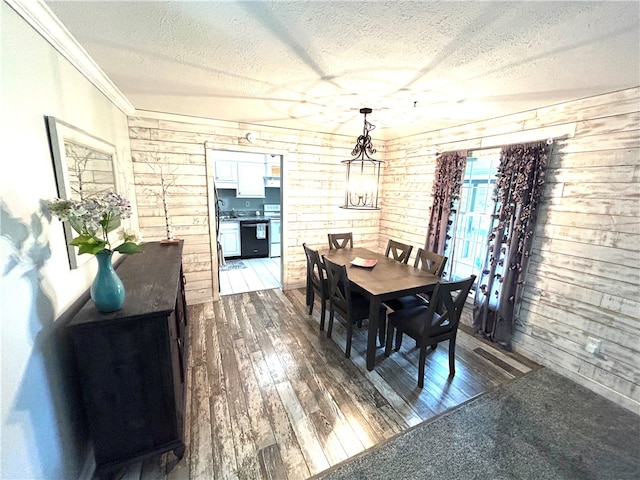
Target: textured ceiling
{"x":312,"y":65}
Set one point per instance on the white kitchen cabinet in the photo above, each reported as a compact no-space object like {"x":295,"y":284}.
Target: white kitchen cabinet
{"x":226,"y":174}
{"x":229,"y":238}
{"x":250,"y":180}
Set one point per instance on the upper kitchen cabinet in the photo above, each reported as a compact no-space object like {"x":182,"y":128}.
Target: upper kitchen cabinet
{"x":250,"y":180}
{"x":241,"y":171}
{"x":226,"y":174}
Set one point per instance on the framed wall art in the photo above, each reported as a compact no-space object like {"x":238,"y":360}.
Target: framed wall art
{"x":84,"y":166}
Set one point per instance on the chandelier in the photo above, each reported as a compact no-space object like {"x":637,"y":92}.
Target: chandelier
{"x":363,"y":172}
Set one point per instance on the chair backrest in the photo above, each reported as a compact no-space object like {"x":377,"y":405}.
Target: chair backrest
{"x":430,"y":262}
{"x":399,"y":251}
{"x":339,"y":290}
{"x":315,"y":271}
{"x":340,"y":240}
{"x":445,"y":308}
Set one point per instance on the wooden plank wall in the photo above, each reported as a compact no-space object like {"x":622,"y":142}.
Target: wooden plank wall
{"x":312,"y":189}
{"x":583,"y":281}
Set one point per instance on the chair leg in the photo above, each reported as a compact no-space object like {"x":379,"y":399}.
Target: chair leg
{"x":308,"y":293}
{"x":310,"y":300}
{"x":347,"y":350}
{"x":452,"y":356}
{"x":330,"y":326}
{"x":389,"y":341}
{"x":323,"y":311}
{"x":421,"y":362}
{"x":398,"y":340}
{"x":382,"y":328}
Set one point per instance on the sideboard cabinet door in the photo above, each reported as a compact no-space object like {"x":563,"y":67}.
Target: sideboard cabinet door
{"x":132,"y":363}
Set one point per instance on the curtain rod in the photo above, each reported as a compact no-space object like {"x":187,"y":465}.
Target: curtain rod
{"x":466,"y":151}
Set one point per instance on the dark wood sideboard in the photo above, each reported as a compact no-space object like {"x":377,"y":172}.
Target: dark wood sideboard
{"x":132,"y":363}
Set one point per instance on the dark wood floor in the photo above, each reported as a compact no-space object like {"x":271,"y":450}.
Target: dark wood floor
{"x":270,"y":397}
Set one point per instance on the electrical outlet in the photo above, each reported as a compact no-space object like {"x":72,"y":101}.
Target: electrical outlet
{"x":593,"y":345}
{"x":246,"y":203}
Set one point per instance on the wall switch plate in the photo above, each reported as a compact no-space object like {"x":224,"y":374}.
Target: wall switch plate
{"x":593,"y":345}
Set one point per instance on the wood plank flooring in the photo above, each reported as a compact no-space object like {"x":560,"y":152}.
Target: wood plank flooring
{"x":258,"y":274}
{"x":270,"y":397}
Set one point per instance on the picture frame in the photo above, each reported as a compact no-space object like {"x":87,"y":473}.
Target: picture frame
{"x":84,"y":165}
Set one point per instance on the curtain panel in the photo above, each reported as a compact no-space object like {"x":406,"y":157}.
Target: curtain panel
{"x":518,"y":192}
{"x":446,"y":190}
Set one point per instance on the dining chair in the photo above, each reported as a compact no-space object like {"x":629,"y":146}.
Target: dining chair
{"x":429,"y":262}
{"x":350,"y":305}
{"x":316,"y":282}
{"x":399,"y":251}
{"x":430,"y":324}
{"x":340,"y":240}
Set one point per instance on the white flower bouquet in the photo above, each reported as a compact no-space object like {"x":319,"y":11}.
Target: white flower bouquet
{"x":93,"y":218}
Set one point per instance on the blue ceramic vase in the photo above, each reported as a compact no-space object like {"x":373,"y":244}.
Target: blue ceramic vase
{"x":107,"y":290}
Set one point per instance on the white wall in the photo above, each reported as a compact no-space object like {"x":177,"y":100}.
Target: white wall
{"x":42,"y":430}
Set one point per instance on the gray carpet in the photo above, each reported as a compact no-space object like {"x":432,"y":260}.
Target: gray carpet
{"x":540,"y":426}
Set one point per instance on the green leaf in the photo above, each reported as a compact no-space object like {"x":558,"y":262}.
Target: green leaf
{"x":83,"y":239}
{"x":88,"y":244}
{"x":92,"y":249}
{"x":129,"y":248}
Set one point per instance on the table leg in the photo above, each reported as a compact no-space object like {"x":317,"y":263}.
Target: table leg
{"x":372,"y":336}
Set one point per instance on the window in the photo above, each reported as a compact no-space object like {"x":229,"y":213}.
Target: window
{"x":472,"y":223}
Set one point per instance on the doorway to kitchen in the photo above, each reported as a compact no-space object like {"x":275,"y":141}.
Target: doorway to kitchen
{"x":248,"y":226}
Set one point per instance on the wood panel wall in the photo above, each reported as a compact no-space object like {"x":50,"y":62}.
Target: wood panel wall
{"x":312,"y":189}
{"x":584,"y":277}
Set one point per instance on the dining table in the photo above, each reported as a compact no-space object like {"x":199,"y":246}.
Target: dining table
{"x":385,"y":280}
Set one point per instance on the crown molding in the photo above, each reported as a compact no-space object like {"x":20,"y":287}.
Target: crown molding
{"x":43,"y":20}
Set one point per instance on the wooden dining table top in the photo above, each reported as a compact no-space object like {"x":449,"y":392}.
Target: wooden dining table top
{"x":387,"y":279}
